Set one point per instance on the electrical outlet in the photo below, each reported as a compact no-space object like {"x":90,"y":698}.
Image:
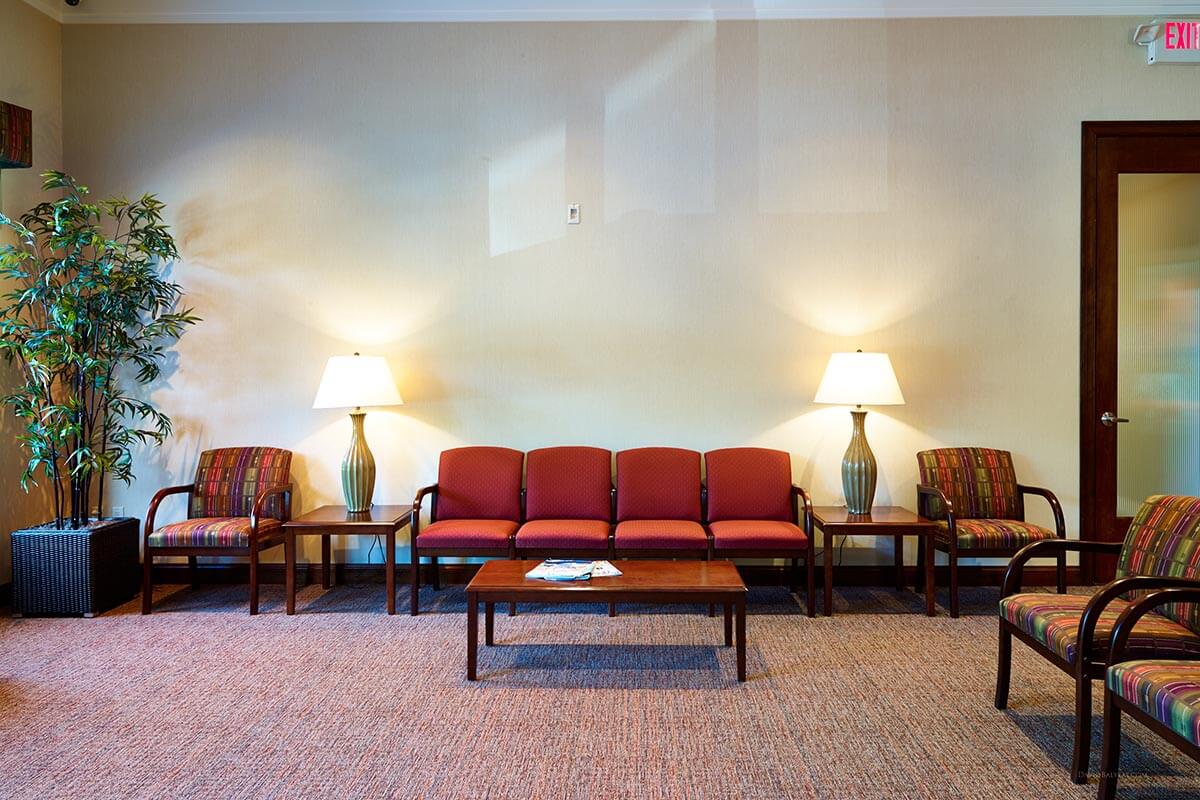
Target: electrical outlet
{"x":573,"y":214}
{"x":118,"y":511}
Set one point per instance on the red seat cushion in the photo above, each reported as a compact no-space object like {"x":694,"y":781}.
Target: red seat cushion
{"x":568,"y":483}
{"x":479,"y":483}
{"x":757,"y":534}
{"x":749,"y":483}
{"x":658,"y":483}
{"x":660,"y":534}
{"x":467,"y":533}
{"x":564,"y":534}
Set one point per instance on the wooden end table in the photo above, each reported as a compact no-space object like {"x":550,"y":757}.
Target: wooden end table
{"x":882,"y":521}
{"x":329,"y":521}
{"x":663,"y":582}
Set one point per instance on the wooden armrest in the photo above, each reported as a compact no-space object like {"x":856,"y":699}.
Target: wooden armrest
{"x":285,"y":512}
{"x":1085,"y":647}
{"x":807,"y":519}
{"x":159,"y":496}
{"x":1186,"y":591}
{"x":925,"y":490}
{"x":1060,"y":524}
{"x":415,"y":520}
{"x":1016,"y":565}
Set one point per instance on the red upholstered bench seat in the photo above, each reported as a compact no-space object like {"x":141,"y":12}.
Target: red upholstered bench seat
{"x":757,"y":534}
{"x":660,"y":534}
{"x":468,"y":533}
{"x":563,"y":534}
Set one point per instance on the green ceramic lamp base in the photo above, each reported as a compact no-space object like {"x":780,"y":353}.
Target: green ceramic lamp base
{"x":859,"y":471}
{"x":358,"y":468}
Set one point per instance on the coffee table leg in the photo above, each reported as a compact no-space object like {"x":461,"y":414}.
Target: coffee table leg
{"x":289,"y":566}
{"x":325,"y":548}
{"x":472,"y":632}
{"x":489,"y":617}
{"x":899,"y":548}
{"x":827,"y":543}
{"x":729,"y":624}
{"x":930,"y":589}
{"x":741,"y":639}
{"x":390,"y":570}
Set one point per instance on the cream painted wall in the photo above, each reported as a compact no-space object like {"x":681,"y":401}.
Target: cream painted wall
{"x":754,"y":196}
{"x":30,"y":76}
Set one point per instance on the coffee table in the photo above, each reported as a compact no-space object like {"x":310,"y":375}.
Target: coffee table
{"x":882,"y":521}
{"x":329,"y":521}
{"x":658,"y":582}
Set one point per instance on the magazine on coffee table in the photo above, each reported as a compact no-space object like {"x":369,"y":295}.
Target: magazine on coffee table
{"x":565,"y":569}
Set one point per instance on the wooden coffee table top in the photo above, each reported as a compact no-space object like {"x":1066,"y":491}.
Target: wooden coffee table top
{"x":667,"y":577}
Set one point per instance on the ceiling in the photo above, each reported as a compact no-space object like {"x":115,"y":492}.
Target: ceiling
{"x":200,"y":11}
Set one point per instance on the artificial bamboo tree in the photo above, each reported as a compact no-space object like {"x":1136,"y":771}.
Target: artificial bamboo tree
{"x":89,"y":316}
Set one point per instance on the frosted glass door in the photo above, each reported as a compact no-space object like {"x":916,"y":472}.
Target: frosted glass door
{"x":1158,"y":337}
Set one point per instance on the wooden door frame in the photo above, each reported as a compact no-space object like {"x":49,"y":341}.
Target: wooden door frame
{"x":1089,"y":311}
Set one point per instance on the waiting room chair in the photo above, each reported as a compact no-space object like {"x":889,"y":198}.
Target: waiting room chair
{"x":973,"y":494}
{"x":1073,"y":632}
{"x":568,"y":504}
{"x":753,"y":510}
{"x":1164,"y":695}
{"x":659,"y":504}
{"x":236,"y":507}
{"x":475,"y":509}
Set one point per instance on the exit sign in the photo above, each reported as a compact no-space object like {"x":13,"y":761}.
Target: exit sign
{"x":1170,"y":41}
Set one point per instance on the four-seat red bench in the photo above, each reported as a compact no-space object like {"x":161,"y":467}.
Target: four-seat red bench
{"x":660,"y":507}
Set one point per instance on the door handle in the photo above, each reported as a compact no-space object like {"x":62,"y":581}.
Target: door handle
{"x":1108,"y":419}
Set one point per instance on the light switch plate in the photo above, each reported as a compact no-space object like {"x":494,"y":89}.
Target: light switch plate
{"x":573,"y":214}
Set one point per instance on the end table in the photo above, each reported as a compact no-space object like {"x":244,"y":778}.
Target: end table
{"x":882,"y":521}
{"x":329,"y":521}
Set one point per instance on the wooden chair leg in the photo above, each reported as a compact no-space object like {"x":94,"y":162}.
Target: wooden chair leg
{"x":953,"y":584}
{"x":811,"y":584}
{"x":437,"y":579}
{"x":920,"y":583}
{"x":512,"y":609}
{"x":1003,"y":667}
{"x":414,"y":582}
{"x":1110,"y":752}
{"x":192,"y":572}
{"x":147,"y":581}
{"x":794,"y":576}
{"x":253,"y":578}
{"x":1083,"y":730}
{"x":1062,"y":573}
{"x":612,"y":609}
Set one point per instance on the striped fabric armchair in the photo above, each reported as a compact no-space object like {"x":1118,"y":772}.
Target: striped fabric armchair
{"x":236,"y":507}
{"x":1162,"y":694}
{"x":1073,"y":632}
{"x":973,"y":494}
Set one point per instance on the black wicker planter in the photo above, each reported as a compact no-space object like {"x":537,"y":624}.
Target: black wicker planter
{"x":71,"y":572}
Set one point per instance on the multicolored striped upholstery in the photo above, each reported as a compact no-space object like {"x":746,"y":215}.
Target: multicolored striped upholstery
{"x":229,"y":479}
{"x":1053,"y":619}
{"x":1169,"y":691}
{"x":997,"y":533}
{"x":1164,"y":541}
{"x":981,"y":483}
{"x":211,"y":532}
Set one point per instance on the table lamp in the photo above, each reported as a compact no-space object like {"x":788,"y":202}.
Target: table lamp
{"x":859,"y":379}
{"x":353,"y":382}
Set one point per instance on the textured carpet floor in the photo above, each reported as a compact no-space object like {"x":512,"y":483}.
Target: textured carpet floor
{"x":201,"y":700}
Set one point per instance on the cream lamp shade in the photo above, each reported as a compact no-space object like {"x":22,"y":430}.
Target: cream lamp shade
{"x":356,"y":381}
{"x":353,"y":382}
{"x":859,"y":379}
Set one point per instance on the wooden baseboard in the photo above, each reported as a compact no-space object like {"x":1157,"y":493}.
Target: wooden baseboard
{"x":752,"y":574}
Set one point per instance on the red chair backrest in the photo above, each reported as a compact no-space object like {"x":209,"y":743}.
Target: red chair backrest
{"x":568,"y":483}
{"x":480,"y":483}
{"x":749,"y":483}
{"x":658,"y":483}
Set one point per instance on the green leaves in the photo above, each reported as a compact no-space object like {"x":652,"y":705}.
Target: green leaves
{"x":90,"y":301}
